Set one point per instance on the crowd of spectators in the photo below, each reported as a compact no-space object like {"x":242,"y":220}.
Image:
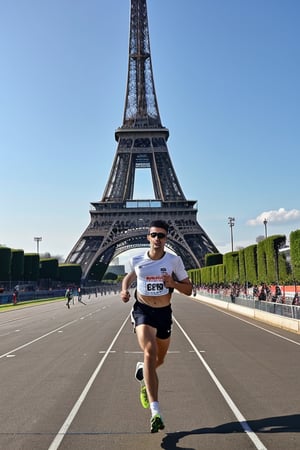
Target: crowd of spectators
{"x":261,"y":292}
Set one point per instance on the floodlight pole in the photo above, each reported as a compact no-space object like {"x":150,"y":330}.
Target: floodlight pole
{"x":231,"y":221}
{"x":38,"y":239}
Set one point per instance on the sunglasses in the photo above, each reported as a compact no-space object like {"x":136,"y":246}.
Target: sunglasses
{"x":159,"y":235}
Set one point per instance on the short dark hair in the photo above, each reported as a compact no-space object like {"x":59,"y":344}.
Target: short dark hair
{"x":159,"y":224}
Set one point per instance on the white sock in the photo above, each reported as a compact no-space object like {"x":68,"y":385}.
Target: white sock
{"x":154,"y":406}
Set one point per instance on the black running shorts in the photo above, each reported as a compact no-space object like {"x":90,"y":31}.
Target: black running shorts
{"x":159,"y":318}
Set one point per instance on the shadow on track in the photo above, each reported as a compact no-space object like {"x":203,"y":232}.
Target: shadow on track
{"x":280,"y":424}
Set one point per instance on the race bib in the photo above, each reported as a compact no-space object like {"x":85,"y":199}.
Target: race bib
{"x":153,"y":286}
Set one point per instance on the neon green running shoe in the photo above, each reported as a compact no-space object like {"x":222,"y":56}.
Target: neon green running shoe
{"x":144,"y":397}
{"x":156,"y":423}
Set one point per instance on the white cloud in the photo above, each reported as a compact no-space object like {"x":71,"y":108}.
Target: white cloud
{"x":276,"y":217}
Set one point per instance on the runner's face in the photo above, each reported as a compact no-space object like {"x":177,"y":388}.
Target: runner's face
{"x":157,"y":237}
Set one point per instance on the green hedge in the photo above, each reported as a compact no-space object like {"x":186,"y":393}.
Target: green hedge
{"x":231,"y":261}
{"x":256,"y":264}
{"x":195,"y":276}
{"x":295,"y":255}
{"x":251,"y":273}
{"x":49,"y":269}
{"x":211,"y":259}
{"x":272,"y":267}
{"x":70,"y":273}
{"x":31,"y":266}
{"x":5,"y":263}
{"x":17,"y":265}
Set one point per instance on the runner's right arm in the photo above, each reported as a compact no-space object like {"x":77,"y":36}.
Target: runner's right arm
{"x":126,"y":283}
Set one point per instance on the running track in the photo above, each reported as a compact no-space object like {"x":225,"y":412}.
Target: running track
{"x":67,"y":380}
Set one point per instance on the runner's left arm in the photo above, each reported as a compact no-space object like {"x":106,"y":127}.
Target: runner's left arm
{"x":183,"y":286}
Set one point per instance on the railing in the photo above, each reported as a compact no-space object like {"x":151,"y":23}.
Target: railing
{"x":102,"y":289}
{"x":281,"y":309}
{"x":35,"y":295}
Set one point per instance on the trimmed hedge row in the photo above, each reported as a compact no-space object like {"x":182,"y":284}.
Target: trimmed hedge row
{"x":295,"y":253}
{"x":256,"y":264}
{"x":16,"y":267}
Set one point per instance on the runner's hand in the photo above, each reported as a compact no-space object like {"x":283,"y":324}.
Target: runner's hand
{"x":125,"y":296}
{"x":168,"y":280}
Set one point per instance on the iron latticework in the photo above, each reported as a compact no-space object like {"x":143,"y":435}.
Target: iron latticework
{"x":119,"y":222}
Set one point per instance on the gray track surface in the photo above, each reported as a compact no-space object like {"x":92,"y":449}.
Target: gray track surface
{"x":48,"y":355}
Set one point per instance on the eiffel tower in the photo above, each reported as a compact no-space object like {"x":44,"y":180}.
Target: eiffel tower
{"x":119,"y":222}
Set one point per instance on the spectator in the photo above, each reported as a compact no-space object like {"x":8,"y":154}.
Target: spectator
{"x":262,"y":295}
{"x":296,"y":299}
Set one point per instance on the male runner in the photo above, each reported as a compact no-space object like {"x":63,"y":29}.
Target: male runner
{"x":157,"y":273}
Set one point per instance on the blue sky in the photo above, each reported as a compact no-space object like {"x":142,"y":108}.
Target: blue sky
{"x":227,"y":80}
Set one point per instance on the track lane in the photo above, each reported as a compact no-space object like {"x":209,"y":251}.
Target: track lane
{"x":44,"y":381}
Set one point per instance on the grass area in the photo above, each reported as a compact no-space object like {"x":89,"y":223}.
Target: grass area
{"x":20,"y":305}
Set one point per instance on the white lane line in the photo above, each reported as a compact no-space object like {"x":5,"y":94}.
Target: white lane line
{"x":243,"y":422}
{"x":263,"y":329}
{"x":134,"y":352}
{"x":66,"y":425}
{"x":37,"y":339}
{"x":42,"y":337}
